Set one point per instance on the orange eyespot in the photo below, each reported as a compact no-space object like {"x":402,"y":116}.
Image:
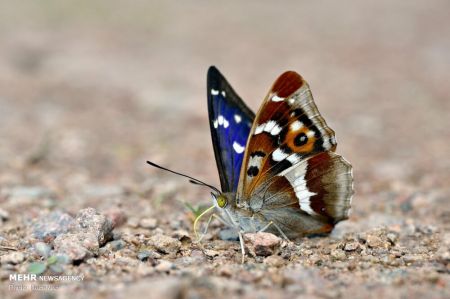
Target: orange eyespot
{"x":222,"y":201}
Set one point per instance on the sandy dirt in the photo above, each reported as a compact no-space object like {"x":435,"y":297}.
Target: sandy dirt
{"x":89,"y":92}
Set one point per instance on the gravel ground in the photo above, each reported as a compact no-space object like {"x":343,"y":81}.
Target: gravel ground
{"x":89,"y":92}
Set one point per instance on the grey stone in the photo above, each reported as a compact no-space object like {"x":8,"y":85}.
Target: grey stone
{"x":117,"y":245}
{"x":77,"y":246}
{"x":92,"y":221}
{"x":53,"y":224}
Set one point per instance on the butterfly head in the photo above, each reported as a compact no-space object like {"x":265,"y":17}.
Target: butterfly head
{"x":221,"y":200}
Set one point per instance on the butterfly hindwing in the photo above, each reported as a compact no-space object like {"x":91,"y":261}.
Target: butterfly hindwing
{"x":230,"y":123}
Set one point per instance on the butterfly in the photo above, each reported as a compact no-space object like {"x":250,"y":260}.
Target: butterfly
{"x":278,"y":169}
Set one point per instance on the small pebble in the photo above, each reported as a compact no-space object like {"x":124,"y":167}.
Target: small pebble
{"x":117,"y":245}
{"x":262,"y":244}
{"x":12,"y":258}
{"x":117,"y":216}
{"x":4,"y":215}
{"x":133,"y":222}
{"x":77,"y":246}
{"x":352,"y":246}
{"x":374,"y":241}
{"x":225,"y":270}
{"x":165,"y":243}
{"x":392,"y":238}
{"x":211,"y":253}
{"x":144,"y":255}
{"x":93,"y":222}
{"x":338,"y":254}
{"x":51,"y":225}
{"x":181,"y":235}
{"x":274,"y":261}
{"x":315,"y":259}
{"x":149,"y":223}
{"x":164,"y":266}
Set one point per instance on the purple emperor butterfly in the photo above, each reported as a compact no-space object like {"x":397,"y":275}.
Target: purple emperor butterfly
{"x":278,"y":170}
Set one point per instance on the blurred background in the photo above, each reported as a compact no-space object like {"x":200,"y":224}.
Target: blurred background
{"x":89,"y":90}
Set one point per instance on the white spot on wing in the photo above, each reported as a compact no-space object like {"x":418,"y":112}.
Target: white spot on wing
{"x":326,"y":144}
{"x":276,"y":130}
{"x":279,"y":155}
{"x":305,"y":205}
{"x":237,"y":118}
{"x":296,"y":125}
{"x":220,"y":119}
{"x":296,"y":176}
{"x":310,"y":134}
{"x":294,"y":158}
{"x":214,"y":92}
{"x":224,"y":94}
{"x":260,"y":128}
{"x":238,"y":148}
{"x":270,"y":125}
{"x":276,"y":98}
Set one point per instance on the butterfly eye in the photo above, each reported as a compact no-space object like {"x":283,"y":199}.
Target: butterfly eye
{"x":221,"y":201}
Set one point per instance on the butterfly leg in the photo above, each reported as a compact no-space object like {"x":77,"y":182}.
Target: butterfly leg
{"x":281,"y":232}
{"x":265,"y":227}
{"x":209,"y":222}
{"x":277,"y":227}
{"x":241,"y":241}
{"x":253,"y":223}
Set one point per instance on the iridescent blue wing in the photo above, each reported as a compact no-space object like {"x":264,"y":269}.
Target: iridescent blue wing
{"x":230,"y":121}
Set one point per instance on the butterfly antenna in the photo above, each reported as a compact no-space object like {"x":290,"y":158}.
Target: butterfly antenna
{"x":191,"y":179}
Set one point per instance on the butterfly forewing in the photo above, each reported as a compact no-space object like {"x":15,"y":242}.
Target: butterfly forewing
{"x":287,"y":128}
{"x":290,"y":165}
{"x":230,"y":123}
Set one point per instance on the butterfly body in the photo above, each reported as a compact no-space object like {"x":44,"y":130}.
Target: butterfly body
{"x":278,"y":169}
